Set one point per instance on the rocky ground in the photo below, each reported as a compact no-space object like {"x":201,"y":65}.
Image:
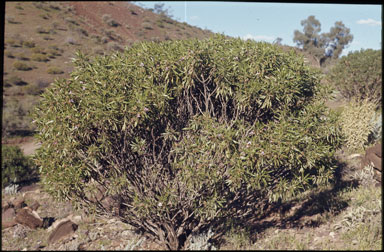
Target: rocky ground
{"x":32,"y":220}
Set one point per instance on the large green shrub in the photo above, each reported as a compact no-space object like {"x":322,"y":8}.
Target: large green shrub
{"x":182,"y":135}
{"x":358,"y":75}
{"x":15,"y":167}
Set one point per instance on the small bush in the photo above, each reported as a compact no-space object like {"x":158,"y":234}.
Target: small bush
{"x":82,"y":32}
{"x":41,"y":30}
{"x":111,"y":34}
{"x":55,"y":47}
{"x":106,"y":17}
{"x":39,"y":57}
{"x":160,"y":23}
{"x":54,"y":70}
{"x":13,"y":43}
{"x":184,"y":135}
{"x":45,"y":16}
{"x":11,"y":20}
{"x":34,"y":90}
{"x":357,"y":124}
{"x":38,"y":87}
{"x":104,"y":40}
{"x":18,"y":65}
{"x":15,"y":80}
{"x":38,"y":50}
{"x":147,"y":25}
{"x":21,"y":56}
{"x":359,"y":75}
{"x":54,"y":7}
{"x":109,"y":21}
{"x":52,"y":31}
{"x":9,"y":54}
{"x":55,"y":25}
{"x":71,"y":41}
{"x":71,"y":21}
{"x":52,"y":53}
{"x":112,"y":23}
{"x":19,"y":7}
{"x":15,"y":166}
{"x":42,"y":84}
{"x":28,"y":44}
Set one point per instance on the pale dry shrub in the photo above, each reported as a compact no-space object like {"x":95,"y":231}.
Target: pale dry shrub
{"x":363,"y":209}
{"x":356,"y":123}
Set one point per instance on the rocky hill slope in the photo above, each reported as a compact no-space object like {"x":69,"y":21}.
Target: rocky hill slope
{"x":41,"y":38}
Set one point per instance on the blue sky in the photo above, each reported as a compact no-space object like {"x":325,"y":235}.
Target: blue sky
{"x":267,"y":21}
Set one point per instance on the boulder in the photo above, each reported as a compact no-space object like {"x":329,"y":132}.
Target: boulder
{"x":8,"y":214}
{"x":5,"y":205}
{"x":34,"y":206}
{"x":20,"y":232}
{"x":63,"y":230}
{"x":29,"y":218}
{"x":7,"y":224}
{"x":373,"y":157}
{"x":8,"y":217}
{"x":18,"y":203}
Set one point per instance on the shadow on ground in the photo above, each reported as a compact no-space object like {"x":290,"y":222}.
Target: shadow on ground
{"x":304,"y":212}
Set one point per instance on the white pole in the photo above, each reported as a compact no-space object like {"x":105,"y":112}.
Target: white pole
{"x":185,"y":11}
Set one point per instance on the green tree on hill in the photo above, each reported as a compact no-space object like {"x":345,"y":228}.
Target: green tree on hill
{"x":324,"y":46}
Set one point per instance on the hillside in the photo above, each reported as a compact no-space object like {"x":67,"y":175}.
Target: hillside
{"x":42,"y":37}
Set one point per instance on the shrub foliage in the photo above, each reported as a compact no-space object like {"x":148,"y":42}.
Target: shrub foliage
{"x":358,"y":75}
{"x":357,"y":123}
{"x":182,"y":135}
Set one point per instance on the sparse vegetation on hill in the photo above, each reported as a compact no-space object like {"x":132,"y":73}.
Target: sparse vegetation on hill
{"x":56,"y":30}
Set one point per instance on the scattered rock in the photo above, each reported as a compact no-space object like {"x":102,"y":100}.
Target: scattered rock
{"x":18,"y":203}
{"x":29,"y":218}
{"x":8,"y":215}
{"x":63,"y":230}
{"x":72,"y":245}
{"x":7,"y":224}
{"x":56,"y":223}
{"x":5,"y":205}
{"x":38,"y":246}
{"x":373,"y":157}
{"x":34,"y":206}
{"x":20,"y":232}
